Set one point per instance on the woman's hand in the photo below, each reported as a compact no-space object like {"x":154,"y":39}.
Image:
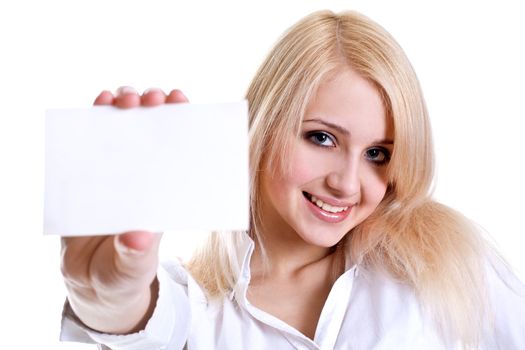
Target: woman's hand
{"x":111,"y":279}
{"x":128,"y":97}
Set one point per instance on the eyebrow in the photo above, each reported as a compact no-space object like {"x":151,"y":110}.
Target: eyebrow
{"x":330,"y":125}
{"x":345,"y":131}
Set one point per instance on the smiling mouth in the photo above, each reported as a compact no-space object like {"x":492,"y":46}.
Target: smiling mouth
{"x":324,"y":206}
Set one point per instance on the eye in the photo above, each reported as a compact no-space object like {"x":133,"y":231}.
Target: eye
{"x":378,"y":155}
{"x":321,"y":138}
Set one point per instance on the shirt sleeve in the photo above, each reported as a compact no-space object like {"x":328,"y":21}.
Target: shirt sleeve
{"x":168,"y":328}
{"x":507,"y":296}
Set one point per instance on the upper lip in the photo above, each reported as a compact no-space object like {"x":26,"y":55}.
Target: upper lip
{"x":331,"y":201}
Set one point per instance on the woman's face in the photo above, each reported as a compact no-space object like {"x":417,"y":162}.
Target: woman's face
{"x":338,"y":164}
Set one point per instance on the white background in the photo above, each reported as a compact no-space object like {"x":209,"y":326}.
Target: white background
{"x":469,"y":56}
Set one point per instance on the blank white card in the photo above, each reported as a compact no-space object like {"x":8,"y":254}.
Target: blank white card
{"x":172,"y":167}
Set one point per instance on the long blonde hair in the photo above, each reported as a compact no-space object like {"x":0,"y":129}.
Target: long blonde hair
{"x":424,"y":244}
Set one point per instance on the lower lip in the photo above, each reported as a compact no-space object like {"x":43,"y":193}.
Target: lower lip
{"x":327,"y":216}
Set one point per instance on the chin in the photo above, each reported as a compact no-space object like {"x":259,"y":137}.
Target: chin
{"x":322,"y":240}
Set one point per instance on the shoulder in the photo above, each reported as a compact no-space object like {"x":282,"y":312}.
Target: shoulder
{"x":384,"y":311}
{"x":506,"y":309}
{"x":389,"y":298}
{"x":501,"y":279}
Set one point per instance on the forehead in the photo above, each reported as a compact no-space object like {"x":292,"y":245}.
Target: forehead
{"x":353,"y":102}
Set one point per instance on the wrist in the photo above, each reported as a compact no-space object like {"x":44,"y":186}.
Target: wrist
{"x":114,"y":313}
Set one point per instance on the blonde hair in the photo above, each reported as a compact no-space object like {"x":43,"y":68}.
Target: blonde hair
{"x":422,"y":243}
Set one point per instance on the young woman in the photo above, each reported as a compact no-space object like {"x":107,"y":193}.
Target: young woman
{"x":346,"y":248}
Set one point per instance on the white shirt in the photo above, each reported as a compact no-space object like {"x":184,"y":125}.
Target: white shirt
{"x":363,"y":311}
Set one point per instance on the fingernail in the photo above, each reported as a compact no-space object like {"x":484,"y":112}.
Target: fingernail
{"x":178,"y":93}
{"x":126,"y":90}
{"x":153,"y":89}
{"x":126,"y":250}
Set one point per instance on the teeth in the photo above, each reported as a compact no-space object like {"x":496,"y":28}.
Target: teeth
{"x":325,"y":206}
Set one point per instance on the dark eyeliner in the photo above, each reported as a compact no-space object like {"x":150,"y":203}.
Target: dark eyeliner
{"x":385,"y":152}
{"x":310,"y":136}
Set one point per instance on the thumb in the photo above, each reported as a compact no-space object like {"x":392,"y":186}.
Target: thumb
{"x":137,"y":242}
{"x":137,"y":253}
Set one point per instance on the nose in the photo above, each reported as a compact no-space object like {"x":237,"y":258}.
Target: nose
{"x":344,"y":179}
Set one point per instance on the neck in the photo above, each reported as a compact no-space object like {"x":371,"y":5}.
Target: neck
{"x":287,"y":254}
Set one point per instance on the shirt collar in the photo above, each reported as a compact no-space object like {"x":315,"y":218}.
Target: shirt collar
{"x":244,"y":250}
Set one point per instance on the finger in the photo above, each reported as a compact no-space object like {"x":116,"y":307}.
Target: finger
{"x":138,"y":241}
{"x":137,"y":253}
{"x":127,"y":97}
{"x":153,"y":97}
{"x":105,"y":98}
{"x":76,"y":252}
{"x":176,"y":96}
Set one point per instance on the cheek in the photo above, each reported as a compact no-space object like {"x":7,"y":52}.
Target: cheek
{"x":282,"y":186}
{"x":301,"y":170}
{"x":374,"y":190}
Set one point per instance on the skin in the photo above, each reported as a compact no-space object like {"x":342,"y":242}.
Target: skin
{"x":113,"y":277}
{"x":348,"y":167}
